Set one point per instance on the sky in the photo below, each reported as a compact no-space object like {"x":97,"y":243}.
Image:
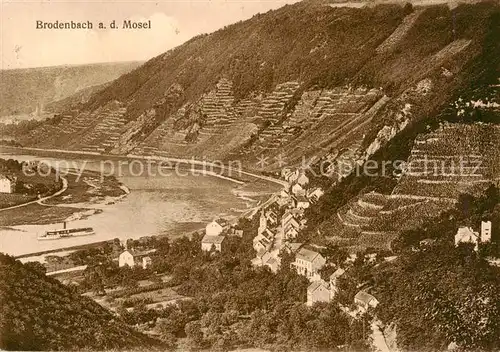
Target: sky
{"x":172,"y":22}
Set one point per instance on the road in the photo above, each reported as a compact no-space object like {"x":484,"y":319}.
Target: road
{"x":69,"y":270}
{"x":40,"y":200}
{"x":378,"y":339}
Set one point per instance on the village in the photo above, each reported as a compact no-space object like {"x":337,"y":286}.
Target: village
{"x":280,"y":222}
{"x":140,"y":280}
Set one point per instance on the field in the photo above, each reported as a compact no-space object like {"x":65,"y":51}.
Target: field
{"x":36,"y":214}
{"x":87,"y":188}
{"x":11,"y":199}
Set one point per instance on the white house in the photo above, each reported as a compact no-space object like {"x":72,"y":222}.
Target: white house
{"x":317,"y":291}
{"x":364,"y":301}
{"x":134,"y":258}
{"x":216,"y":227}
{"x":314,"y":194}
{"x":126,"y":258}
{"x":291,"y":176}
{"x":308,"y":262}
{"x":298,"y":190}
{"x":485,"y":231}
{"x":467,"y":235}
{"x":290,"y":226}
{"x":261,"y":243}
{"x":7,"y":184}
{"x":303,"y":179}
{"x":302,"y":202}
{"x":208,"y":242}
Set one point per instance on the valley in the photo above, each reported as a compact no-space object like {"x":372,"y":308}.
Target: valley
{"x":320,"y":177}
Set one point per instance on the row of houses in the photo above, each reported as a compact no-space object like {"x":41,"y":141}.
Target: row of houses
{"x":298,"y":193}
{"x":281,"y":222}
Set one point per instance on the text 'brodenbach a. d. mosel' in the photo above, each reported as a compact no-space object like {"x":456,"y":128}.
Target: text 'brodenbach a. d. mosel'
{"x":125,"y":24}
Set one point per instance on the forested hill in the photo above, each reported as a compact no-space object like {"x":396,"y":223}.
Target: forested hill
{"x":39,"y":313}
{"x":306,"y":79}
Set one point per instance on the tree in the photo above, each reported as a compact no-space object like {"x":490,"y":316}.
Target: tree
{"x":36,"y":267}
{"x":194,"y":334}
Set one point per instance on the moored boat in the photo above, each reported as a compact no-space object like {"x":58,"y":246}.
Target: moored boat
{"x":65,"y":233}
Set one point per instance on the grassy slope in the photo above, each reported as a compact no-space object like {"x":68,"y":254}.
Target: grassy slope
{"x":39,"y":313}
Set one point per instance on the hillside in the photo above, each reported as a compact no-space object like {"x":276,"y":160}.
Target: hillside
{"x":437,"y":293}
{"x":434,"y":177}
{"x":281,"y":85}
{"x":31,"y":90}
{"x":39,"y":313}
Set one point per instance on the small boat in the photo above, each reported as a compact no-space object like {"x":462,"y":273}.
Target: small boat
{"x":65,"y":233}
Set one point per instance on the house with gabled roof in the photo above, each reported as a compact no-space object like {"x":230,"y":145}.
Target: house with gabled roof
{"x":318,"y":291}
{"x":212,"y":242}
{"x":314,"y":194}
{"x":467,"y":235}
{"x":261,"y":242}
{"x":132,"y":258}
{"x":302,"y":180}
{"x":265,"y":258}
{"x":271,"y":216}
{"x":7,"y":183}
{"x":216,"y":227}
{"x":302,"y":202}
{"x":308,"y":262}
{"x":291,"y":176}
{"x":290,"y":226}
{"x":298,"y":190}
{"x":291,"y":247}
{"x":365,"y":301}
{"x":273,"y":264}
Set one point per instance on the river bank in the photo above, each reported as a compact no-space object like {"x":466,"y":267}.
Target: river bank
{"x":172,"y":206}
{"x":216,"y":169}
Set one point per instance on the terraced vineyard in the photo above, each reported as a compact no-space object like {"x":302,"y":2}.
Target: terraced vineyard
{"x":375,"y":219}
{"x":455,"y":159}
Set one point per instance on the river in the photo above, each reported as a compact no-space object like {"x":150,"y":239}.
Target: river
{"x":156,"y":205}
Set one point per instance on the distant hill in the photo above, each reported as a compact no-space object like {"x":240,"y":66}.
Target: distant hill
{"x":22,"y":91}
{"x":39,"y":313}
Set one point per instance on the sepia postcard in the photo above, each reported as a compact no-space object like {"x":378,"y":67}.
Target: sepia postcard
{"x":250,"y":175}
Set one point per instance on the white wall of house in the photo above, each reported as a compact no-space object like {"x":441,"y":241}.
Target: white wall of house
{"x":485,"y":231}
{"x":6,"y":185}
{"x":146,"y":262}
{"x":126,"y":258}
{"x":207,"y":246}
{"x":214,"y":229}
{"x":320,"y":294}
